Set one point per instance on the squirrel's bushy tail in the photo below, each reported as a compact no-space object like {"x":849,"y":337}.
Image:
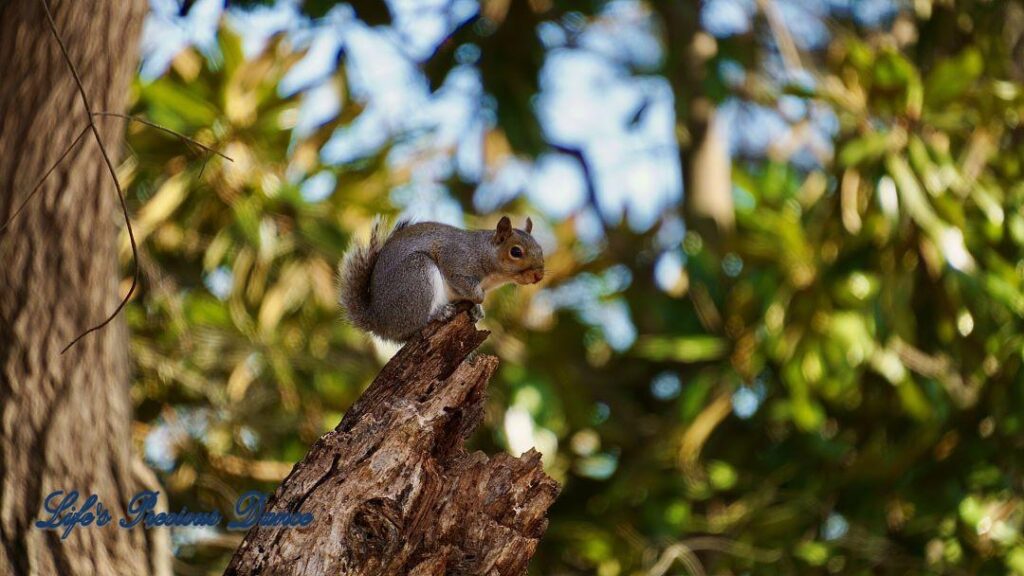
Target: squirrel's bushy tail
{"x":356,"y":272}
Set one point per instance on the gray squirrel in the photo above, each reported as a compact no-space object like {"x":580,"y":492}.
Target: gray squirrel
{"x":405,"y":278}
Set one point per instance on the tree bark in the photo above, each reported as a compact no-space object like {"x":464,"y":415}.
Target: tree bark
{"x":393,"y":490}
{"x":65,"y":419}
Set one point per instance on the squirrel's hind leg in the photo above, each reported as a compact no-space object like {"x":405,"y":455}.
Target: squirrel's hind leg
{"x":406,"y":296}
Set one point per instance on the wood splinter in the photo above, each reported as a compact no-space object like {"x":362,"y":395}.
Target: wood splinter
{"x":394,"y":491}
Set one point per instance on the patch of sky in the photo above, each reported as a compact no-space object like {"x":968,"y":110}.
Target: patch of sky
{"x":420,"y":25}
{"x":219,"y":281}
{"x":318,"y":187}
{"x":761,"y":127}
{"x":427,"y":201}
{"x":157,"y":448}
{"x":591,"y":296}
{"x":378,"y":71}
{"x":469,"y":157}
{"x":668,"y":269}
{"x":556,"y":186}
{"x":624,"y":32}
{"x":160,"y":444}
{"x":792,"y":108}
{"x":640,"y":186}
{"x":825,"y":119}
{"x":567,"y":106}
{"x":835,"y":527}
{"x":806,"y":22}
{"x":552,"y":35}
{"x":614,"y":320}
{"x":624,"y":126}
{"x":598,"y":466}
{"x":732,"y":73}
{"x":364,"y":136}
{"x":508,"y":183}
{"x":166,"y":33}
{"x":248,"y":437}
{"x":666,"y":386}
{"x":451,"y":115}
{"x":588,"y":285}
{"x":319,"y":63}
{"x":182,"y":536}
{"x":589,"y":227}
{"x":319,"y":105}
{"x":671,"y":232}
{"x":258,"y":24}
{"x":873,"y":13}
{"x":724,"y":18}
{"x":747,"y":399}
{"x":764,"y":127}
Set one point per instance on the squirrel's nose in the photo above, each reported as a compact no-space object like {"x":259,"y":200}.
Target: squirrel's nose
{"x":538,"y":275}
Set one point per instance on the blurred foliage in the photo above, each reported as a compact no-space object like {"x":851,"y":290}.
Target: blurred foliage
{"x":835,"y":387}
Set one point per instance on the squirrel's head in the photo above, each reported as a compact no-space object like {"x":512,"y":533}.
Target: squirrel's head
{"x":519,"y":256}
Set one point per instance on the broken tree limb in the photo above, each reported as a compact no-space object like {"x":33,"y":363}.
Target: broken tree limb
{"x":392,"y":488}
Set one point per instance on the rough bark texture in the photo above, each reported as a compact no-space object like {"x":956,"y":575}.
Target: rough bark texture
{"x":64,"y":420}
{"x":392,"y":489}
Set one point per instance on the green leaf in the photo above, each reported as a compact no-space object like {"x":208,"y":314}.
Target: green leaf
{"x":953,"y":76}
{"x":687,"y":349}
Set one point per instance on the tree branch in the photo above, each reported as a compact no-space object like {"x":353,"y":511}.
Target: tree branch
{"x":183,"y":137}
{"x":393,"y":490}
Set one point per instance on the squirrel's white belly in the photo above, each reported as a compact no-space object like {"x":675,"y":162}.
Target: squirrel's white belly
{"x":442,"y":294}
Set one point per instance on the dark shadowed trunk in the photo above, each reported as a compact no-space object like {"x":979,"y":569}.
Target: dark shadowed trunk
{"x":392,"y":489}
{"x":64,"y":420}
{"x":707,"y":176}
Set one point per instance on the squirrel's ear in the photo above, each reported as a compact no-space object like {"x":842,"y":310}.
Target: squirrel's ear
{"x":529,"y":225}
{"x":503,"y":231}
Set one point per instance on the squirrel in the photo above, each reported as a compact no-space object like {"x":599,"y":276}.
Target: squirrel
{"x":403,"y":279}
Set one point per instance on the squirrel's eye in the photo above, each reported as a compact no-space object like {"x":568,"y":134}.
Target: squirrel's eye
{"x":516,"y":252}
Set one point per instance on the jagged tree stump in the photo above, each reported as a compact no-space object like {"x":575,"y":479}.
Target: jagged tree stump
{"x":394,"y":491}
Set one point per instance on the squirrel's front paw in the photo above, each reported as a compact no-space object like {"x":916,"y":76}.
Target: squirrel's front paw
{"x":476,"y":313}
{"x":444,"y":313}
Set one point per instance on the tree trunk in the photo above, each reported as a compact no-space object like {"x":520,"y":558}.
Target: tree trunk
{"x":392,"y":489}
{"x":64,"y":419}
{"x":703,"y":154}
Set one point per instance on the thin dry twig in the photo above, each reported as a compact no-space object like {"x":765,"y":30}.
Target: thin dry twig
{"x":685,"y":553}
{"x":110,"y":168}
{"x":141,"y":120}
{"x":39,"y":184}
{"x":678,"y":552}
